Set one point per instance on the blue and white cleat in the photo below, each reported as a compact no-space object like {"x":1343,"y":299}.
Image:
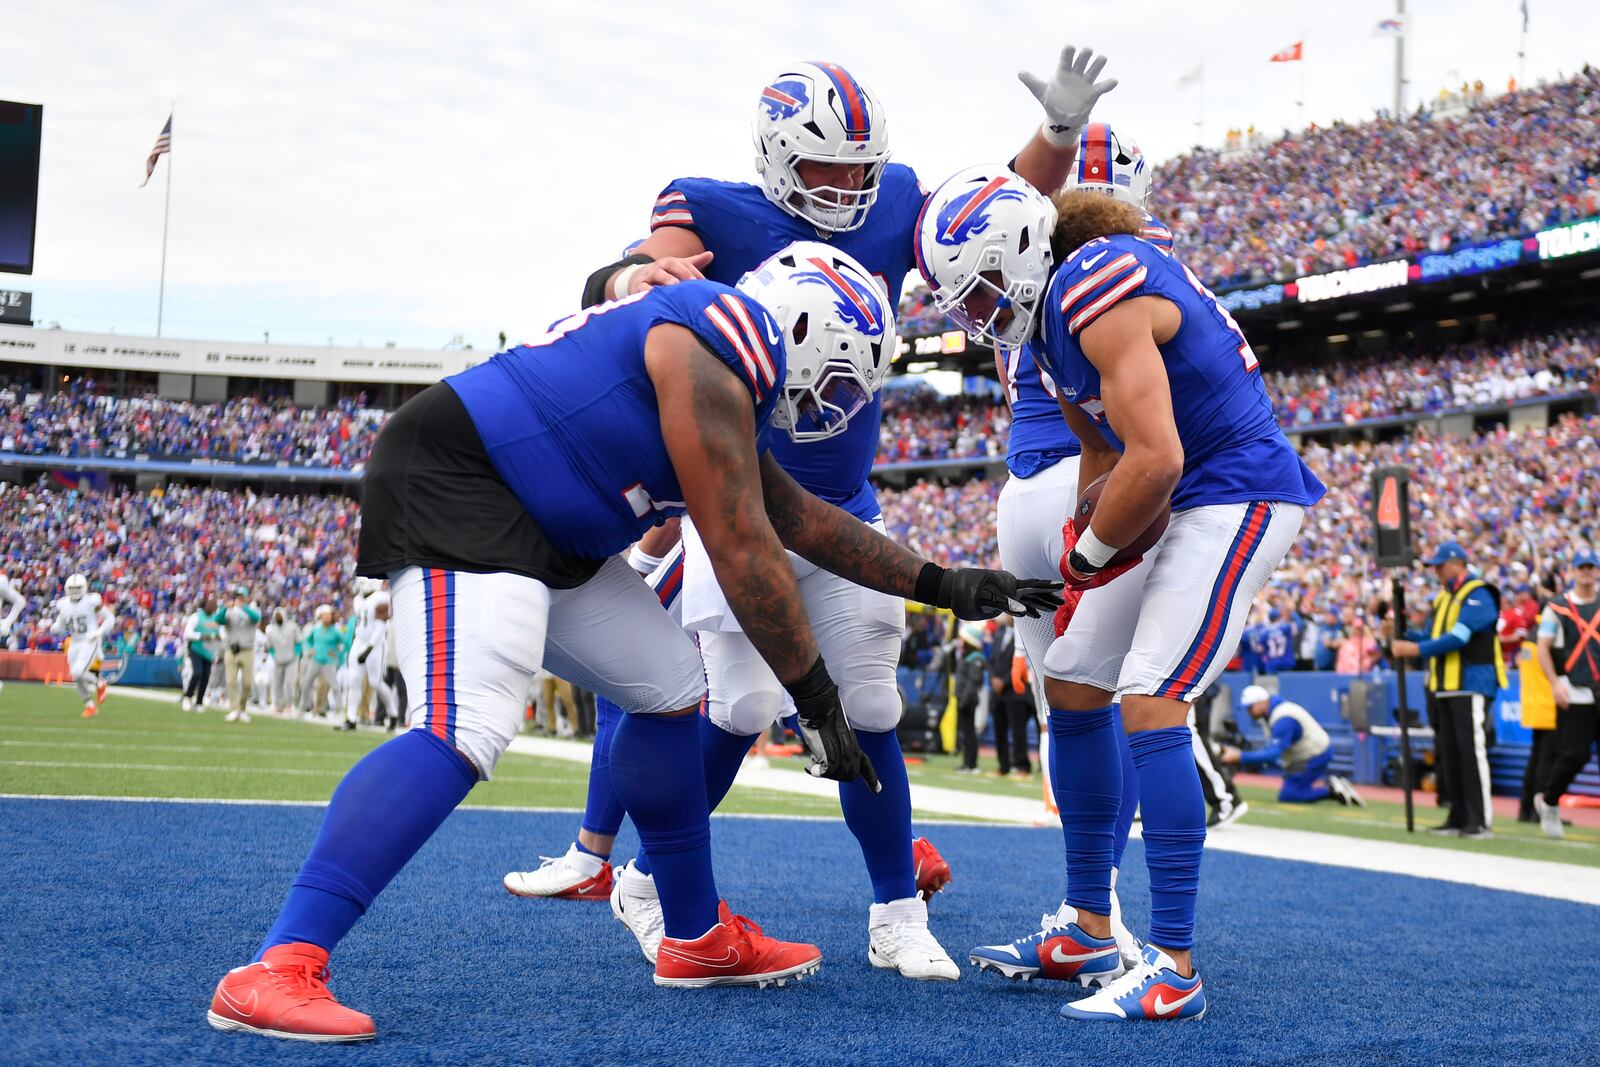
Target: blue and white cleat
{"x":1059,"y":950}
{"x":1152,"y":991}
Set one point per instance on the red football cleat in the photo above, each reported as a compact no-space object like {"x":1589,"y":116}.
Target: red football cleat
{"x":89,"y":710}
{"x":100,"y":693}
{"x":560,"y":876}
{"x":286,"y":995}
{"x":933,"y":873}
{"x":733,"y":952}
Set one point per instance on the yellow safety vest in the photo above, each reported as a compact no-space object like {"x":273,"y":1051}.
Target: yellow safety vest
{"x":1538,"y":700}
{"x":1444,"y":673}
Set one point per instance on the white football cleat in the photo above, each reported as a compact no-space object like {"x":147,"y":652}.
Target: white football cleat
{"x":576,"y":876}
{"x":898,"y":939}
{"x":635,"y":904}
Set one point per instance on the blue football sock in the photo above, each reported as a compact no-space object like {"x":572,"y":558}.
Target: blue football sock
{"x":882,"y":821}
{"x":1174,"y":830}
{"x":389,"y":804}
{"x":657,"y":772}
{"x":1130,"y":793}
{"x":723,"y":754}
{"x":1086,"y":776}
{"x":602,"y":812}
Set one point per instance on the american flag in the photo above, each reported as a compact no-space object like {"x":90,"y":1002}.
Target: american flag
{"x":163,"y":146}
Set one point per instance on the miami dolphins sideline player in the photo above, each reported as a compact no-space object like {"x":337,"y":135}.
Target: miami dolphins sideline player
{"x":1165,"y":395}
{"x":85,"y":620}
{"x":823,"y":162}
{"x":494,"y":503}
{"x":1042,"y":456}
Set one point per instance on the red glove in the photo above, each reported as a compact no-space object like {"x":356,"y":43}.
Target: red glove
{"x":1078,"y":584}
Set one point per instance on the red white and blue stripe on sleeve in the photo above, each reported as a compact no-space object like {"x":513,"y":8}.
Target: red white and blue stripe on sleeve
{"x":1102,"y":281}
{"x":732,"y":320}
{"x":1156,"y":232}
{"x":672,"y":209}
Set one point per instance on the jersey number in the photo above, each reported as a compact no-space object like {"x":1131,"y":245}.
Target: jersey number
{"x":1245,"y":352}
{"x":78,"y":625}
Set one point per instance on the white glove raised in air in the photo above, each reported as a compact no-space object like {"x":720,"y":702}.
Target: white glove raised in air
{"x":1069,"y":96}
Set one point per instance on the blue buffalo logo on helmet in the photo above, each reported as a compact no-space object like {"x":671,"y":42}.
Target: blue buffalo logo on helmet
{"x":784,"y":98}
{"x":967,"y":215}
{"x":856,"y":300}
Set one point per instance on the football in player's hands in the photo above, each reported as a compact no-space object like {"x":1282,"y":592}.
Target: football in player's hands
{"x":1089,"y":499}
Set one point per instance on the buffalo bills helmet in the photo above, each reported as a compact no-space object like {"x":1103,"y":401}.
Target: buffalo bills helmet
{"x":983,"y":247}
{"x":1111,"y":165}
{"x":838,"y":335}
{"x":818,"y":112}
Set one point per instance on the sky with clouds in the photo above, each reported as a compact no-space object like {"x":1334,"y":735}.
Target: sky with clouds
{"x":413,"y":171}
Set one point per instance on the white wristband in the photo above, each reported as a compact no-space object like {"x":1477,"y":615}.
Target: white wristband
{"x":621,"y":279}
{"x":1091,"y":548}
{"x":1066,"y":138}
{"x":642,"y":561}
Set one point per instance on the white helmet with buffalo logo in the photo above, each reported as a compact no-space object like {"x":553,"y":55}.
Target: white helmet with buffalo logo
{"x":983,"y":247}
{"x":838,"y":335}
{"x":818,"y":112}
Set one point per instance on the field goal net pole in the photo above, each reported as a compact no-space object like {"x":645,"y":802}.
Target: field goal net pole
{"x":1391,"y":549}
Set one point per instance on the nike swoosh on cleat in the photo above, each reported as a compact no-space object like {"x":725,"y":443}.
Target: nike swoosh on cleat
{"x":243,"y":1007}
{"x":1066,"y":957}
{"x":729,"y":959}
{"x":1167,"y":1008}
{"x":1089,"y":263}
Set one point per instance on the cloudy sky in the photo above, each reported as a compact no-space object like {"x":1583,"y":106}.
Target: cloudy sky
{"x":412,"y":171}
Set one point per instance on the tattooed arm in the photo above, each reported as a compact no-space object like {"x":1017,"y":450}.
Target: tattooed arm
{"x":837,"y":541}
{"x":834,"y":539}
{"x":708,"y":423}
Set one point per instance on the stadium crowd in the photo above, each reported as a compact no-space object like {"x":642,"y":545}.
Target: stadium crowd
{"x":1520,"y":501}
{"x":153,"y":554}
{"x":81,"y":420}
{"x":1338,"y":196}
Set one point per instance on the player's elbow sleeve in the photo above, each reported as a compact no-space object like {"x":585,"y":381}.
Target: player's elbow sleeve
{"x":595,"y":288}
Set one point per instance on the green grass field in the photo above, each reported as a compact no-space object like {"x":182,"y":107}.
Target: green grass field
{"x":141,"y":747}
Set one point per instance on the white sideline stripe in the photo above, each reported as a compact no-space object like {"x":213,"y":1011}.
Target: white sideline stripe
{"x":1541,"y":878}
{"x":199,"y":768}
{"x":513,"y":808}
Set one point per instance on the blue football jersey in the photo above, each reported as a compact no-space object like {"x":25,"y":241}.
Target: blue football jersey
{"x":570,"y":421}
{"x":1039,"y":436}
{"x":1233,"y":448}
{"x":741,"y":228}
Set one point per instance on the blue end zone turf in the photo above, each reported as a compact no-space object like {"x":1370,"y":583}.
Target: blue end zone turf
{"x":120,"y":918}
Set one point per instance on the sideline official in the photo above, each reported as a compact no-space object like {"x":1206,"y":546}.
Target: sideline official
{"x":1569,"y":653}
{"x":1465,"y":673}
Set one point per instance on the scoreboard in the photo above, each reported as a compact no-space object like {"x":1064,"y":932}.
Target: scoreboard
{"x":19,"y":184}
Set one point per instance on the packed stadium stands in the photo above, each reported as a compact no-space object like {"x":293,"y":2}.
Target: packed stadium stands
{"x":83,"y":421}
{"x":919,"y":424}
{"x":153,"y":553}
{"x":1353,"y":193}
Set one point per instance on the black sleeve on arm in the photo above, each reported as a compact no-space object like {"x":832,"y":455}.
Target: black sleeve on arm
{"x":594,"y":290}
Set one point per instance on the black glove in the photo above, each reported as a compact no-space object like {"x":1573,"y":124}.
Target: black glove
{"x":976,"y":594}
{"x":361,"y":659}
{"x":835,"y":753}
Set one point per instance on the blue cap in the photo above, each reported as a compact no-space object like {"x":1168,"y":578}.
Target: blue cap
{"x":1585,"y":558}
{"x":1446,"y":551}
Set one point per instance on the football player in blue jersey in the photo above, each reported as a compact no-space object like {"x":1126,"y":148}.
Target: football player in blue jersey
{"x":1164,"y":394}
{"x":1042,"y":456}
{"x":496,"y":503}
{"x":822,"y":156}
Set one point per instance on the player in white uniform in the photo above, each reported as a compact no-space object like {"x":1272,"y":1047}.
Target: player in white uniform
{"x":85,"y":620}
{"x":364,"y":663}
{"x":15,"y":603}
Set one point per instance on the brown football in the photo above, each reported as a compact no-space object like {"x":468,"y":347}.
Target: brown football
{"x":1141,"y":544}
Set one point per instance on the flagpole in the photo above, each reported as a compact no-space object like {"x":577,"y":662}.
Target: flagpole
{"x":1400,"y":61}
{"x":166,"y":213}
{"x":1302,"y":82}
{"x":1200,"y":118}
{"x":1522,"y":49}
